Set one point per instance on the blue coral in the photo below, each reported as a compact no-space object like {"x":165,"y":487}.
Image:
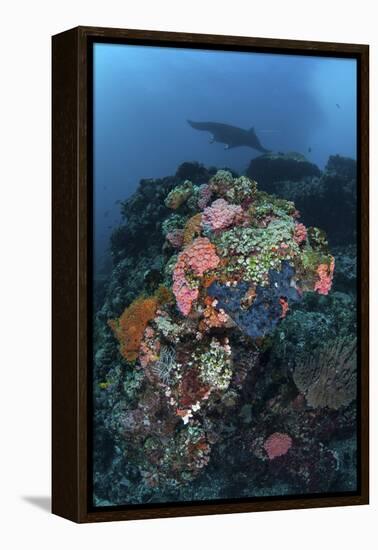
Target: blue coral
{"x":263,"y":315}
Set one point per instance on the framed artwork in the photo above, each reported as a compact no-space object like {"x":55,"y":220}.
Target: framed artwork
{"x":210,"y":274}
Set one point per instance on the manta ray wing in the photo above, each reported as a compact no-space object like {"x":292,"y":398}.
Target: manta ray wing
{"x":232,"y":136}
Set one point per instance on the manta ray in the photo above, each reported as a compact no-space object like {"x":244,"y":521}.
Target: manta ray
{"x":232,"y":136}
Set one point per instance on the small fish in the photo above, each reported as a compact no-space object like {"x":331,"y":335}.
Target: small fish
{"x":338,"y":106}
{"x":309,"y":149}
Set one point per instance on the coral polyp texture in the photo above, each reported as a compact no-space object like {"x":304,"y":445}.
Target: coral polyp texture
{"x":225,"y":362}
{"x":277,"y":445}
{"x":129,"y":328}
{"x":196,"y":259}
{"x":220,"y":215}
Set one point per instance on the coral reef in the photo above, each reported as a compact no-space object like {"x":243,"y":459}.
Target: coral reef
{"x":224,"y":349}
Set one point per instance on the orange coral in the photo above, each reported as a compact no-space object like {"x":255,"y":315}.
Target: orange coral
{"x":212,"y":318}
{"x":130,"y":327}
{"x":192,"y":228}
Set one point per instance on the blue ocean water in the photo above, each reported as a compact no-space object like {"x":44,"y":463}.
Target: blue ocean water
{"x":143,"y":97}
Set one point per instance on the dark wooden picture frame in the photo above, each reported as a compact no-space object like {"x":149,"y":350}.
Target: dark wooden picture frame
{"x":72,"y":216}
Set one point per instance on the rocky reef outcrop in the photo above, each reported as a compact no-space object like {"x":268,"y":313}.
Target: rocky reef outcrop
{"x":272,"y":167}
{"x":324,"y":198}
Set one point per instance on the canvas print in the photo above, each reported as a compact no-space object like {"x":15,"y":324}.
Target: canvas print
{"x":224,"y":328}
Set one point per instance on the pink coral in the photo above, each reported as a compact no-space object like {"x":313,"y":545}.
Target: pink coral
{"x":175,"y":238}
{"x":325,"y":273}
{"x":204,"y":195}
{"x":201,"y":256}
{"x":277,"y":444}
{"x":300,"y":233}
{"x":197,"y":258}
{"x":221,"y":215}
{"x":185,"y":296}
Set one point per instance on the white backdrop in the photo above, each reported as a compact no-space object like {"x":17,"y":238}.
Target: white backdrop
{"x":26,"y":28}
